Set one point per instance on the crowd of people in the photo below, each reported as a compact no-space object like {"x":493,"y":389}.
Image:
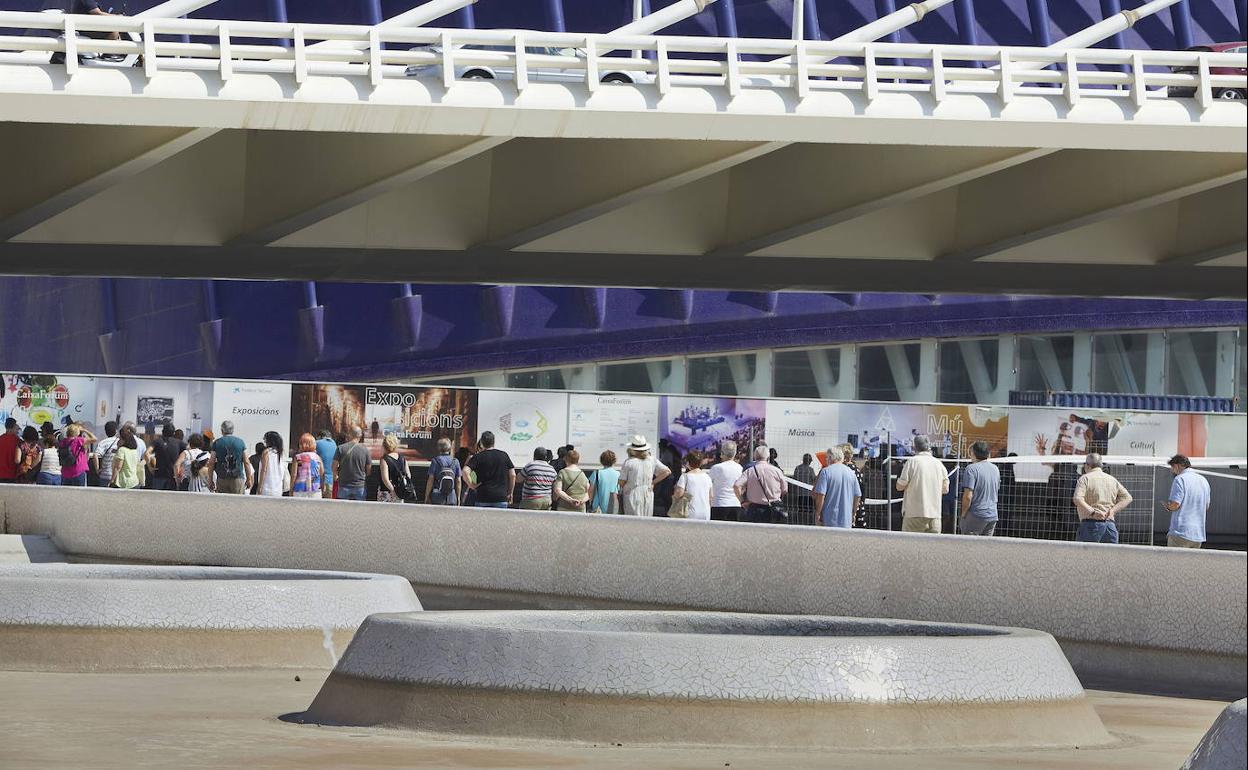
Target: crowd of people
{"x":723,"y":485}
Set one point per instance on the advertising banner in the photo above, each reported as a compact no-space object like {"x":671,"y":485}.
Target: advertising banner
{"x":255,"y":408}
{"x":795,"y":428}
{"x":952,"y":429}
{"x":1146,"y":435}
{"x":1058,"y":432}
{"x":1226,"y":434}
{"x":597,"y":423}
{"x":523,"y":420}
{"x":148,"y":403}
{"x":704,"y":422}
{"x":33,"y":399}
{"x":335,"y":408}
{"x":419,"y":417}
{"x":878,"y":430}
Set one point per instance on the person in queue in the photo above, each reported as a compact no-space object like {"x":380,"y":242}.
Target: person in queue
{"x":307,"y":469}
{"x":162,"y":458}
{"x":75,"y":449}
{"x":981,"y":483}
{"x":571,"y":487}
{"x":641,"y":473}
{"x":271,"y":481}
{"x":351,"y":464}
{"x":1099,"y":498}
{"x":443,"y":482}
{"x":725,"y":505}
{"x":230,"y":462}
{"x":493,"y":475}
{"x":696,"y":485}
{"x":537,"y":480}
{"x":195,"y":466}
{"x":102,"y":455}
{"x":1188,"y":505}
{"x":129,"y":466}
{"x":326,"y":448}
{"x":761,"y":486}
{"x":837,"y":492}
{"x":860,"y":511}
{"x":10,"y":452}
{"x":924,"y":484}
{"x":604,"y":485}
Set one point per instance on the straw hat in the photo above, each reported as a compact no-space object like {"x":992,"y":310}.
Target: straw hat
{"x":639,"y":444}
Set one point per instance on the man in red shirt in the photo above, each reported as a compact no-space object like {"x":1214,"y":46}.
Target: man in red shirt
{"x":10,"y":452}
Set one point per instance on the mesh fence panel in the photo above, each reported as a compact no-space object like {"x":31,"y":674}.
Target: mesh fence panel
{"x":1035,"y":499}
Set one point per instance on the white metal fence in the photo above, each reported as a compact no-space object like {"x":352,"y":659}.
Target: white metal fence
{"x":380,"y":53}
{"x":1035,"y":498}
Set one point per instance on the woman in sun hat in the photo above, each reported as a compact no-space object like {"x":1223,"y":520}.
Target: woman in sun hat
{"x":641,"y":472}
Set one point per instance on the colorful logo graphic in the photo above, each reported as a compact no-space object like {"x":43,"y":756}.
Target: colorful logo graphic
{"x":35,"y":399}
{"x":525,"y":423}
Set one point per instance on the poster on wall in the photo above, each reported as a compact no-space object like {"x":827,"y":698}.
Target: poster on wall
{"x":878,"y":430}
{"x":1227,"y":435}
{"x":149,"y":403}
{"x":255,"y":408}
{"x":796,"y":428}
{"x":599,"y":422}
{"x":705,"y":422}
{"x":318,"y":407}
{"x":953,"y":429}
{"x":523,"y":420}
{"x":418,"y":418}
{"x":1146,"y":435}
{"x":33,"y":399}
{"x":1060,"y":432}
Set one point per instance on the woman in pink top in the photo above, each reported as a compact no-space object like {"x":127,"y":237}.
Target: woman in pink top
{"x":76,"y":444}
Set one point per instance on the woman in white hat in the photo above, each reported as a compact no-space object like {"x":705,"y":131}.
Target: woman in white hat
{"x":641,"y":472}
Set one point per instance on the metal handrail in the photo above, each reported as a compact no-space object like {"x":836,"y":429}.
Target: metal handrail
{"x":871,"y":68}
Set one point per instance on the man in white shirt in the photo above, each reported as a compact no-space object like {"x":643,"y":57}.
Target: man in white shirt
{"x":923,"y":482}
{"x":724,"y":503}
{"x":105,"y":451}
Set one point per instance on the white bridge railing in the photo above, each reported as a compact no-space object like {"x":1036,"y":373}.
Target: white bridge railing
{"x":381,"y":53}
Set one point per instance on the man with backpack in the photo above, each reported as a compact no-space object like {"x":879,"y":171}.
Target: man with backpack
{"x":105,"y":451}
{"x":442,"y":486}
{"x":230,"y":462}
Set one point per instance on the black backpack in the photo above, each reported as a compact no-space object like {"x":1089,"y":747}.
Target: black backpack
{"x":227,"y":465}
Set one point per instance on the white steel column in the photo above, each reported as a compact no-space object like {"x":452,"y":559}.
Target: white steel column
{"x":1007,"y":368}
{"x":1081,"y":365}
{"x":1155,"y":364}
{"x":1224,"y":365}
{"x":758,"y":384}
{"x":583,"y":377}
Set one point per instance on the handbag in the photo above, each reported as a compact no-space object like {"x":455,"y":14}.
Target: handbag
{"x":779,"y":514}
{"x":680,"y":507}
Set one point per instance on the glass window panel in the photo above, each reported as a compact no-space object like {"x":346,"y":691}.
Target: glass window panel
{"x":721,"y":375}
{"x":801,"y":373}
{"x":545,"y":379}
{"x":877,"y":379}
{"x":965,"y":364}
{"x":1045,"y":363}
{"x":634,"y":376}
{"x":1120,"y":362}
{"x":1241,"y":387}
{"x":1200,"y":363}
